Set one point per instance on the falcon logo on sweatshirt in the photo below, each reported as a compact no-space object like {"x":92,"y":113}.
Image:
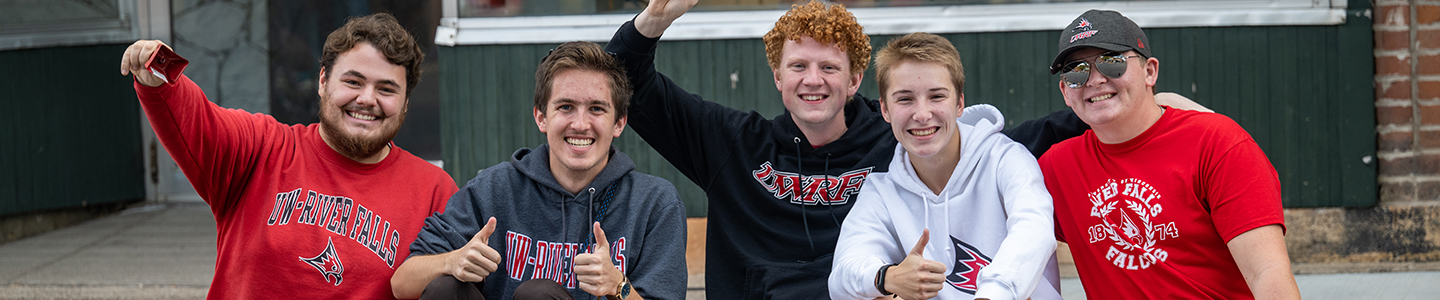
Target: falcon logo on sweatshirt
{"x":328,"y":263}
{"x":811,"y":189}
{"x":968,"y":262}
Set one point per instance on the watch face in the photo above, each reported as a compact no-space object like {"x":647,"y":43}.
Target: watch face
{"x":625,"y":290}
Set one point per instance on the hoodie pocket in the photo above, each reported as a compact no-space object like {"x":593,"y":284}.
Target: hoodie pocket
{"x":788,"y":281}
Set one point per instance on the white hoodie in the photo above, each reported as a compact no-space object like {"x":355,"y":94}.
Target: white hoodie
{"x":995,"y":205}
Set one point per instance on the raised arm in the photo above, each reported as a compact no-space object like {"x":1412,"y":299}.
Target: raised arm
{"x":214,"y":146}
{"x":660,"y":14}
{"x":691,"y":133}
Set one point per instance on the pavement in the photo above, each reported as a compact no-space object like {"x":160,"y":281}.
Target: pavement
{"x":167,"y":251}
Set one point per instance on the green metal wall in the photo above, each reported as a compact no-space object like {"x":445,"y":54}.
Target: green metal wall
{"x":1304,"y":92}
{"x":69,"y":130}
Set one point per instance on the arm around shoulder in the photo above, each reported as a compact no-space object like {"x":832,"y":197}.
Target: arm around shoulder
{"x":1039,"y":134}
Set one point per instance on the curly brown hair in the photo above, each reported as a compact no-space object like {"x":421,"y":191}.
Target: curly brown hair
{"x":826,"y":23}
{"x":918,"y":47}
{"x":580,"y":55}
{"x":385,"y":34}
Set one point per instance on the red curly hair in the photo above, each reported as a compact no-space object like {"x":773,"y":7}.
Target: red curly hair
{"x":826,"y":23}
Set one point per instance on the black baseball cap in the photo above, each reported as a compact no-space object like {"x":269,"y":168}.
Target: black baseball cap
{"x":1104,"y":29}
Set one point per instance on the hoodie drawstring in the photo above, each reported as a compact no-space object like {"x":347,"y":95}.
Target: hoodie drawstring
{"x":800,"y":165}
{"x":827,"y":179}
{"x":591,"y":208}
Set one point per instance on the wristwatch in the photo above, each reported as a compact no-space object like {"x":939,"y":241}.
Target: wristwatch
{"x":622,"y":291}
{"x":880,"y":279}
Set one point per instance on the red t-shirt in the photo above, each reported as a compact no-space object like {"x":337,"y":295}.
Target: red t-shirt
{"x":295,"y":219}
{"x":1150,"y":218}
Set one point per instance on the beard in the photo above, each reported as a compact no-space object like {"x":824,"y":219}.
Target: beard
{"x":356,"y":146}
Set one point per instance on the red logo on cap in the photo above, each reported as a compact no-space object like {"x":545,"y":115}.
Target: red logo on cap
{"x":1142,"y":44}
{"x":1084,"y":25}
{"x":1082,"y":35}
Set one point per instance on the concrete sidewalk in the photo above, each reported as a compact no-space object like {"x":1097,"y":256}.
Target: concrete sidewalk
{"x":167,"y":251}
{"x":148,"y":252}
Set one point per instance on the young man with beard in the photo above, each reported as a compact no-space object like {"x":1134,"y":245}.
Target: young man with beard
{"x":303,"y":211}
{"x":1156,"y":202}
{"x":567,"y":220}
{"x":970,"y":200}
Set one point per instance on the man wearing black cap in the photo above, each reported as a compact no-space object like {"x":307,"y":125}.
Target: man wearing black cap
{"x":1158,"y":202}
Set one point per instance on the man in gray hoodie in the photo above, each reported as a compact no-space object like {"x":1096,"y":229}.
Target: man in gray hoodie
{"x":571,"y":213}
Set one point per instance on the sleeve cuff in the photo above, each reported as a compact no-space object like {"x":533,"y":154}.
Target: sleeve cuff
{"x":994,"y":290}
{"x":155,"y":93}
{"x":635,"y":42}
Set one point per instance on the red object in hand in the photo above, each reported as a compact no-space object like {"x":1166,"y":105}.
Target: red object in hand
{"x":164,"y":63}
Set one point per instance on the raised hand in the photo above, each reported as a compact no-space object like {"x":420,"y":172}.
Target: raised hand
{"x":476,"y":259}
{"x":133,"y":61}
{"x":660,"y":14}
{"x":916,"y":278}
{"x":594,"y":271}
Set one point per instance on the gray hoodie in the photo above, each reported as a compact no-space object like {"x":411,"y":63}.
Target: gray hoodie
{"x":540,"y":227}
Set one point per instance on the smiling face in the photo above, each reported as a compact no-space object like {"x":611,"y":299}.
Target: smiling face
{"x":815,"y":81}
{"x":1103,"y":101}
{"x":362,"y":102}
{"x":579,"y":123}
{"x":921,"y":104}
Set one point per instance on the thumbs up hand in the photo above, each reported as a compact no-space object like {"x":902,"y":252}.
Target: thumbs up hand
{"x":916,"y":278}
{"x":594,"y":271}
{"x":476,"y":259}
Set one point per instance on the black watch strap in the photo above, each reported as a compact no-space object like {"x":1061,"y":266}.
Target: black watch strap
{"x":880,"y":279}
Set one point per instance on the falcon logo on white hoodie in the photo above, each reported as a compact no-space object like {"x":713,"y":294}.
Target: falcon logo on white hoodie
{"x":968,"y":262}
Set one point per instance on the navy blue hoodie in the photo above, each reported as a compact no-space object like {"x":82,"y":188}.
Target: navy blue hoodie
{"x":764,"y":241}
{"x":540,"y":227}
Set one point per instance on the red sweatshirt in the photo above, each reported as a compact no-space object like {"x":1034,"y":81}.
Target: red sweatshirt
{"x":295,"y":219}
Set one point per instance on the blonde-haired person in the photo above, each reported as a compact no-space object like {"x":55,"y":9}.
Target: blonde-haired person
{"x":963,"y":212}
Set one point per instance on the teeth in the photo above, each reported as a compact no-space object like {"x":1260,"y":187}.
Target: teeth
{"x":1101,"y":98}
{"x":579,"y":142}
{"x":360,"y":116}
{"x":811,"y":98}
{"x":924,"y":132}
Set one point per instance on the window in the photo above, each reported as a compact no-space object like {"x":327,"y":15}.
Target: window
{"x":551,"y":21}
{"x":45,"y":23}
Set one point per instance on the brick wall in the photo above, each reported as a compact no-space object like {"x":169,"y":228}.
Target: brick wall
{"x":1407,"y":105}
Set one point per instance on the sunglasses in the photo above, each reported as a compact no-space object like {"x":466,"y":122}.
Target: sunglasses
{"x":1110,"y":64}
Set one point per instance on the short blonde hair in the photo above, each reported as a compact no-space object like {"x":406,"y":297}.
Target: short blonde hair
{"x":826,"y":23}
{"x":919,"y":47}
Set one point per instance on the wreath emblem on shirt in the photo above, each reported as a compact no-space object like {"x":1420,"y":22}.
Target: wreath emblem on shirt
{"x":1126,"y":211}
